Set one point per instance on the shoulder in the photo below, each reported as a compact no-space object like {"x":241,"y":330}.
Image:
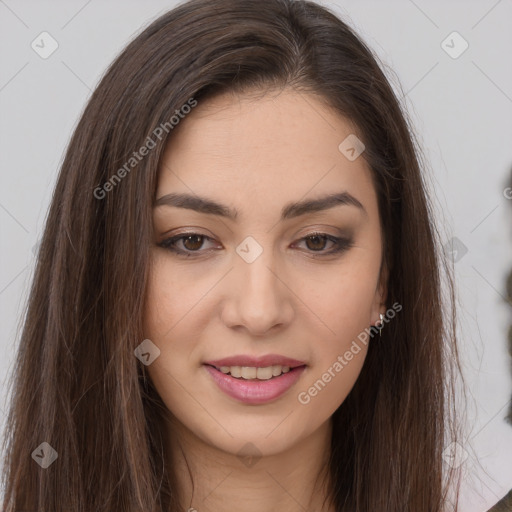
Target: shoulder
{"x":504,"y":505}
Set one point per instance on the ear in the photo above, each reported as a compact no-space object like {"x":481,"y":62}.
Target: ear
{"x":381,"y":294}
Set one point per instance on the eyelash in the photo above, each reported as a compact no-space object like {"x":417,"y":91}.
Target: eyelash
{"x":340,"y":244}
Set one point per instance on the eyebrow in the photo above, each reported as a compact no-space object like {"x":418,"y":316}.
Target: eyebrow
{"x":290,"y":211}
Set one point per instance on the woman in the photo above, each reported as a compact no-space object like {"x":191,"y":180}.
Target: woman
{"x":238,"y":298}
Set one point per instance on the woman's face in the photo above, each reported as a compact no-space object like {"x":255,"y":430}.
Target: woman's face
{"x":286,"y":282}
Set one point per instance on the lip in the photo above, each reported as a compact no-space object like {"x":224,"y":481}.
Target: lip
{"x":258,"y":362}
{"x":254,"y":391}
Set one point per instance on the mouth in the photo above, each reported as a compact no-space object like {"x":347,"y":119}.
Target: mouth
{"x":255,"y":385}
{"x":255,"y":373}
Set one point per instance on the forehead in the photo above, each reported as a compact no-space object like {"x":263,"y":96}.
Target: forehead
{"x":260,"y":150}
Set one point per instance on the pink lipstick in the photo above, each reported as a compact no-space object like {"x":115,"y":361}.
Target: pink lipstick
{"x":255,"y":380}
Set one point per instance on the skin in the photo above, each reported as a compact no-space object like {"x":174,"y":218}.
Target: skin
{"x":257,"y":153}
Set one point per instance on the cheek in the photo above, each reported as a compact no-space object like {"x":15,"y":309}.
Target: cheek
{"x":166,"y":298}
{"x":174,"y":299}
{"x":331,"y":380}
{"x":170,"y":324}
{"x":342,"y":299}
{"x":344,"y":306}
{"x":337,"y":361}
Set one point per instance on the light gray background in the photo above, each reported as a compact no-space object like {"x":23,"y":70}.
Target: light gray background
{"x":462,"y":111}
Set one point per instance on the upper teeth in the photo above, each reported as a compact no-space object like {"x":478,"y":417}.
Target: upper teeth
{"x":251,"y":372}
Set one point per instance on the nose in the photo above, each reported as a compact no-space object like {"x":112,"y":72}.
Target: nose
{"x":258,"y":298}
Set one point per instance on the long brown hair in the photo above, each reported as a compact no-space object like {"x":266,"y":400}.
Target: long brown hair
{"x":76,"y":383}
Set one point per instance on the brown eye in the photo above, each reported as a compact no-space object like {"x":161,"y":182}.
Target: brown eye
{"x":193,"y":242}
{"x":317,"y":242}
{"x":186,"y":244}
